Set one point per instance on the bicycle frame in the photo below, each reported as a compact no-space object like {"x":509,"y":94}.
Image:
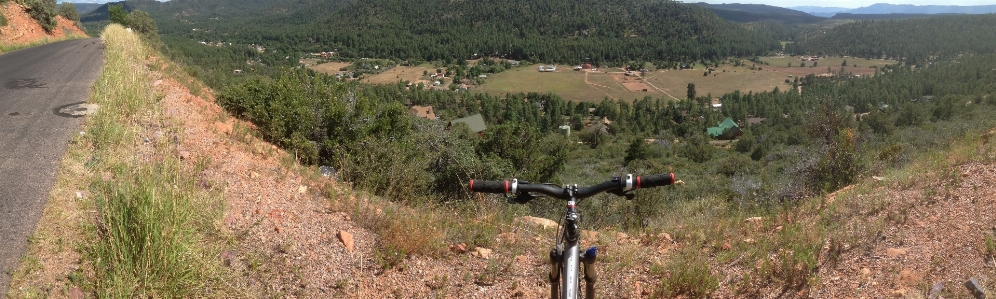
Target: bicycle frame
{"x":566,"y":258}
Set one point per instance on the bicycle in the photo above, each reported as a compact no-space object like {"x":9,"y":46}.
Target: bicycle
{"x":565,"y":258}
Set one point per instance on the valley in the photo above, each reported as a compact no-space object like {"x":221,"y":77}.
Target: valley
{"x":325,"y":149}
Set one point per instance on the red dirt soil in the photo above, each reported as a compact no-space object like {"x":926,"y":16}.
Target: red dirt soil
{"x":21,"y":28}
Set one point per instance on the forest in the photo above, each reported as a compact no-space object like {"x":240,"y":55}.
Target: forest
{"x":915,"y":41}
{"x":663,"y":32}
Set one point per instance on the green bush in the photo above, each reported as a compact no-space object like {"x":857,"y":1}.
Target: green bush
{"x":141,"y":21}
{"x":68,"y":10}
{"x":117,"y":14}
{"x":43,"y":11}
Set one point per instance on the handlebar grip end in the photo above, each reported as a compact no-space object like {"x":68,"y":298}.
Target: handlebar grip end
{"x":489,"y":186}
{"x":657,"y":180}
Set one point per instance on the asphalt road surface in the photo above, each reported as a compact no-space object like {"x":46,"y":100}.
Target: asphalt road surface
{"x":37,"y":85}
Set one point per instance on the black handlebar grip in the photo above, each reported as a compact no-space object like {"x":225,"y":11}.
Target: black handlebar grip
{"x":656,"y":180}
{"x":489,"y":186}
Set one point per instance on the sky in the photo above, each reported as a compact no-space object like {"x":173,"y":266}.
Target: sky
{"x":848,"y":3}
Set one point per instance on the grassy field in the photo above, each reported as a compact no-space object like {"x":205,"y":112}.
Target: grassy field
{"x":584,"y":86}
{"x":401,"y":73}
{"x":329,"y":68}
{"x":613,"y":83}
{"x":858,"y":66}
{"x":393,"y":75}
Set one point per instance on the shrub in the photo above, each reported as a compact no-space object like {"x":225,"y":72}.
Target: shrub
{"x":141,"y":21}
{"x":117,"y":14}
{"x":43,"y":11}
{"x":68,"y":10}
{"x":638,"y":150}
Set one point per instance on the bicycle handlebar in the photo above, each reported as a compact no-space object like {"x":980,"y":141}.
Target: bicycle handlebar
{"x":617,"y":183}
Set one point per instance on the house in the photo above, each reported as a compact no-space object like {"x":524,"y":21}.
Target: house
{"x":475,"y":122}
{"x":726,"y":130}
{"x":423,"y":112}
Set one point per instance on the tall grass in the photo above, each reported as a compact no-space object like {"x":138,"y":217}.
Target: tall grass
{"x":153,"y":226}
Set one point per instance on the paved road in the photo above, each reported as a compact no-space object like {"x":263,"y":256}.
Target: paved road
{"x":36,"y":84}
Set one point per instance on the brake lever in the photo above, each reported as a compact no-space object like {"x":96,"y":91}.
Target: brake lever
{"x":620,"y":192}
{"x":520,"y":198}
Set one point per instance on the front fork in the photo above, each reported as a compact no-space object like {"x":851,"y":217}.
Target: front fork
{"x":590,"y":275}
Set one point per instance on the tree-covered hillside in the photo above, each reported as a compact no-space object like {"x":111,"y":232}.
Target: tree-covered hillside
{"x":613,"y":32}
{"x":913,"y":40}
{"x":541,"y":30}
{"x":759,"y":12}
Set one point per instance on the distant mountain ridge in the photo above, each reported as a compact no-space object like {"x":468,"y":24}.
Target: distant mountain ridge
{"x":745,"y":13}
{"x":885,"y":8}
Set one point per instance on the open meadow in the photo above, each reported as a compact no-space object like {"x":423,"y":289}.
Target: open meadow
{"x":329,"y":68}
{"x":614,"y":83}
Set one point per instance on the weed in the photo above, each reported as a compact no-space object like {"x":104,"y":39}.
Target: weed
{"x":388,"y":257}
{"x":688,"y":275}
{"x":990,"y":244}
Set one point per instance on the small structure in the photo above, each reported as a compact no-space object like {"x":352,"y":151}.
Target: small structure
{"x":482,"y":76}
{"x":565,"y":130}
{"x":716,"y":103}
{"x":475,"y":122}
{"x":726,"y":130}
{"x":756,"y":120}
{"x":423,"y":112}
{"x":577,"y":67}
{"x":586,"y":66}
{"x":237,"y":72}
{"x":547,"y":68}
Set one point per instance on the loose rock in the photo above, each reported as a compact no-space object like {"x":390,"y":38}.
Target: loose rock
{"x":484,"y":253}
{"x":459,"y":248}
{"x":975,"y":287}
{"x":347,"y":239}
{"x":542,"y":222}
{"x":935,"y":290}
{"x":893,"y":252}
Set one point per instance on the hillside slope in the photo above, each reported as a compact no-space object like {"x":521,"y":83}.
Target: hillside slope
{"x":551,"y":31}
{"x":22,"y":29}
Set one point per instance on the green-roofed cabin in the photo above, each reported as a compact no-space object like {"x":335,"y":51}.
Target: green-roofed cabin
{"x":726,"y":130}
{"x":475,"y":122}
